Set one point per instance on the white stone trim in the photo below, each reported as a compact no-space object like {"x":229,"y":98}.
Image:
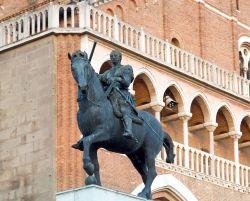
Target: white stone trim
{"x":217,"y":11}
{"x":169,"y":182}
{"x":243,"y":39}
{"x":154,"y":95}
{"x":181,"y":104}
{"x":246,"y":114}
{"x":227,"y":106}
{"x":207,"y":117}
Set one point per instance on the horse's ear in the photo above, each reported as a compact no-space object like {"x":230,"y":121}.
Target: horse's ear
{"x":69,"y":56}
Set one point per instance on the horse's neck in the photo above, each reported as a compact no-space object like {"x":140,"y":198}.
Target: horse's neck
{"x":95,"y":94}
{"x":95,"y":89}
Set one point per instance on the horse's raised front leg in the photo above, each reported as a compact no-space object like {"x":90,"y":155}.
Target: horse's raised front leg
{"x":88,"y":141}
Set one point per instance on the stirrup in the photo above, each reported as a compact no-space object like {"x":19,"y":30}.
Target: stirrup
{"x":77,"y":146}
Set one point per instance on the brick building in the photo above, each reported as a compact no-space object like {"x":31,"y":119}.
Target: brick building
{"x":195,"y":51}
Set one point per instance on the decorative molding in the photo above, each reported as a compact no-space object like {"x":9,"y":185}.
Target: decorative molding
{"x":226,"y":16}
{"x":168,"y":181}
{"x":221,"y":136}
{"x":244,"y":144}
{"x":202,"y":176}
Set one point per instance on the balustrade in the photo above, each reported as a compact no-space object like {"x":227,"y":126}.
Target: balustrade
{"x":201,"y":162}
{"x":82,"y":15}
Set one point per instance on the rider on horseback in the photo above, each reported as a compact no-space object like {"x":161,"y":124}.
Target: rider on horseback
{"x":116,"y":82}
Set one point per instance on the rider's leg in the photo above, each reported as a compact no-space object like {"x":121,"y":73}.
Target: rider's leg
{"x":115,"y":105}
{"x":127,"y":120}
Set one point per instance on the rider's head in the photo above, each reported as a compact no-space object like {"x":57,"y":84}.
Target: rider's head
{"x":115,"y":57}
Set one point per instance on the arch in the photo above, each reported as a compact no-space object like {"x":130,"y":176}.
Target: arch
{"x":132,"y":4}
{"x":178,"y":94}
{"x":243,"y":39}
{"x":22,"y":26}
{"x":17,"y":35}
{"x":11,"y":28}
{"x":242,"y":117}
{"x":245,"y":122}
{"x":6,"y":32}
{"x":61,"y":17}
{"x":105,"y":66}
{"x":175,"y":42}
{"x":228,"y":115}
{"x":40,"y":21}
{"x":204,"y":105}
{"x":150,"y":81}
{"x":119,"y":12}
{"x":168,"y":182}
{"x":97,"y":64}
{"x":36,"y":23}
{"x":110,"y":12}
{"x":245,"y":129}
{"x":69,"y":16}
{"x":76,"y":16}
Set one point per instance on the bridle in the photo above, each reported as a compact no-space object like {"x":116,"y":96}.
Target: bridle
{"x":86,"y":94}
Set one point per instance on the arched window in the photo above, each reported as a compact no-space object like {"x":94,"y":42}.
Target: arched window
{"x":133,"y":4}
{"x":110,"y":11}
{"x":105,"y":66}
{"x":237,"y":5}
{"x":61,"y":17}
{"x":119,"y":12}
{"x":244,"y":59}
{"x":175,"y":42}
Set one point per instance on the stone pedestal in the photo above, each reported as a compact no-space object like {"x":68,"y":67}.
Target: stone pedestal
{"x":95,"y":193}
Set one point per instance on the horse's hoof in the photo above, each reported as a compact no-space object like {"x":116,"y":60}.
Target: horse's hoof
{"x":170,"y":158}
{"x":89,"y":168}
{"x":144,"y":195}
{"x":90,"y":180}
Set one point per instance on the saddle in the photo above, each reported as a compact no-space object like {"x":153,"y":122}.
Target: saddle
{"x":133,"y":111}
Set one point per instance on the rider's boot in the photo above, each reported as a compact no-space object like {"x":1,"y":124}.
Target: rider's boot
{"x":78,"y":145}
{"x":128,"y":128}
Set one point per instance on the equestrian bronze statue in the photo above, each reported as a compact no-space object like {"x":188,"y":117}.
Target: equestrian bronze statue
{"x":108,"y":119}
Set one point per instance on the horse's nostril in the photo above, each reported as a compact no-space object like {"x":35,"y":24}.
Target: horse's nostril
{"x":83,"y":88}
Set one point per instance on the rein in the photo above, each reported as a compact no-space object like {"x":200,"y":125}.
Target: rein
{"x":86,"y":95}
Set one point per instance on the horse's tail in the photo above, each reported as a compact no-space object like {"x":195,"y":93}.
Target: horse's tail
{"x":169,"y":147}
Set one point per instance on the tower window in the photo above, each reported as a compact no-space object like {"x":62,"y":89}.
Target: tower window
{"x":237,"y":5}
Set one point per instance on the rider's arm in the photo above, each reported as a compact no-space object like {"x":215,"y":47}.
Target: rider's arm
{"x":127,"y":76}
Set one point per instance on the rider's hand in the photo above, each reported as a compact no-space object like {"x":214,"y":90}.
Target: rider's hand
{"x":117,"y":79}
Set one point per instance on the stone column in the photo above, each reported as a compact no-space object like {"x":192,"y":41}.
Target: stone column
{"x":157,"y":109}
{"x":142,"y":41}
{"x":2,"y":34}
{"x":53,"y":16}
{"x":211,"y":128}
{"x":116,"y":29}
{"x":185,"y":117}
{"x":84,"y":14}
{"x":236,"y":136}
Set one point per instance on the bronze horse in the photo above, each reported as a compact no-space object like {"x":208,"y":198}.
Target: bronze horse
{"x":101,"y":128}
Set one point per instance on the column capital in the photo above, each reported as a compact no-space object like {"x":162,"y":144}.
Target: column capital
{"x":210,"y":126}
{"x":132,"y":91}
{"x":157,"y":106}
{"x":235,"y":134}
{"x":184,"y":115}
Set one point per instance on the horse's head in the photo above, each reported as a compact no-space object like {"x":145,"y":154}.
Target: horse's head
{"x":80,"y":68}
